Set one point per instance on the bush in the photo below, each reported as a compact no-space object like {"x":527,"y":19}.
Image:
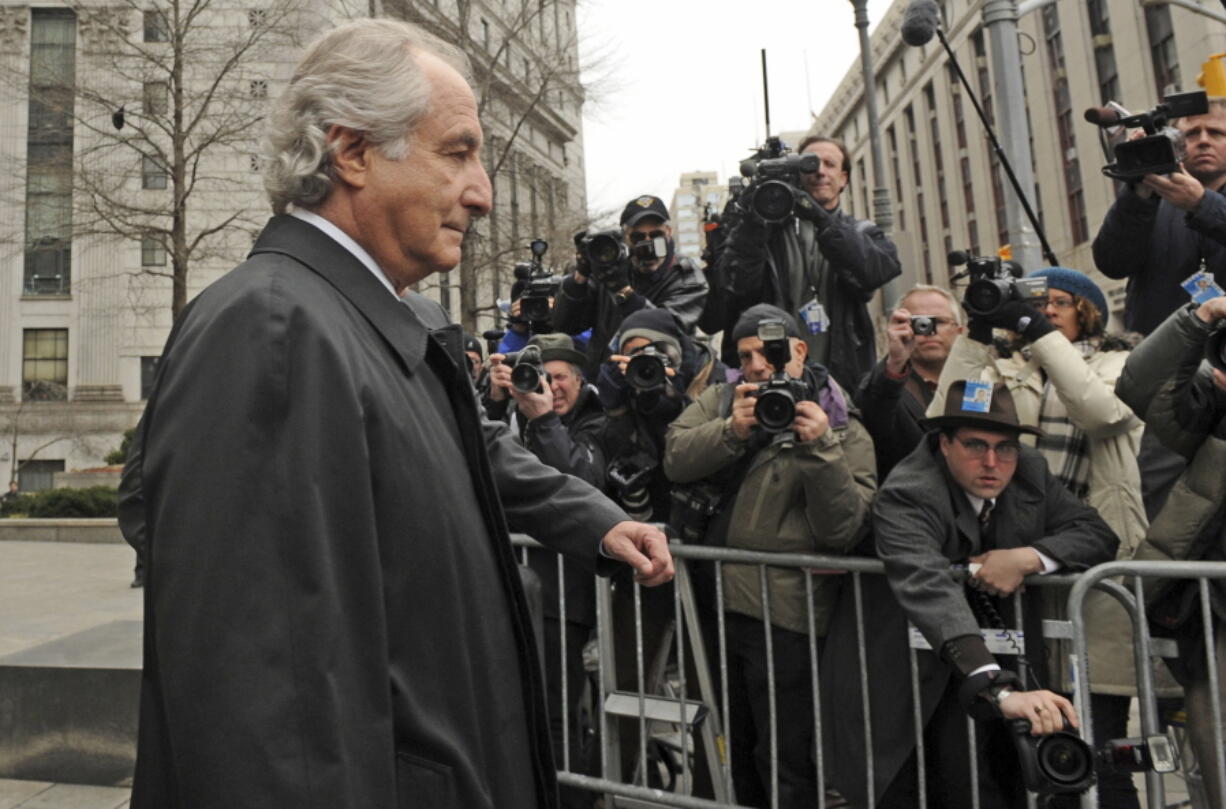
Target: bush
{"x":96,"y":501}
{"x":118,"y":456}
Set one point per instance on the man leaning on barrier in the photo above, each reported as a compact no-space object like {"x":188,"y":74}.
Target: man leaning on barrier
{"x":1184,"y":403}
{"x":803,"y":488}
{"x":971,"y":494}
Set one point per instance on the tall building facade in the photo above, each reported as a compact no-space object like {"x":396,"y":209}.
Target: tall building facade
{"x":697,"y":193}
{"x":947,"y":188}
{"x":95,"y":155}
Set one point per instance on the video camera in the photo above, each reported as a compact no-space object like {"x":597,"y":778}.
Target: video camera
{"x":994,"y":283}
{"x":540,"y":285}
{"x":527,"y":369}
{"x":605,"y":252}
{"x":775,"y":192}
{"x":775,"y":409}
{"x":1162,"y":148}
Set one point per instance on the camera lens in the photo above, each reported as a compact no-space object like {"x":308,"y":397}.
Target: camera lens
{"x":526,"y":378}
{"x":645,"y":372}
{"x":604,"y":249}
{"x":775,"y":410}
{"x":1064,"y":758}
{"x":923,"y":325}
{"x":773,"y":200}
{"x":1215,"y":349}
{"x":535,"y":308}
{"x":984,"y":297}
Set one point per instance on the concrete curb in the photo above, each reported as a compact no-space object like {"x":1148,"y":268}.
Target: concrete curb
{"x":92,"y":531}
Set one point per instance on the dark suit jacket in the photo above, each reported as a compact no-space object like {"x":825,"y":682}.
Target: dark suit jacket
{"x":923,"y":524}
{"x":332,"y":614}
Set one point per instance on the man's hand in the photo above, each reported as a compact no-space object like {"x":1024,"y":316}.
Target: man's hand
{"x":645,"y":548}
{"x":1002,"y":571}
{"x":1212,"y":310}
{"x":743,"y":419}
{"x":1045,"y":711}
{"x":500,"y":377}
{"x":1178,"y":188}
{"x":532,"y":405}
{"x":811,"y":421}
{"x":900,"y":341}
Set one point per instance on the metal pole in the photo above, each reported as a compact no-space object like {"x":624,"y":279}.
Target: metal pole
{"x":1190,"y":5}
{"x":883,"y":213}
{"x":1000,"y":19}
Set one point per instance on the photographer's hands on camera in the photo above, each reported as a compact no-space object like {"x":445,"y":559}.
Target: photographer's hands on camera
{"x":530,"y":405}
{"x":1015,"y":316}
{"x":811,"y":420}
{"x":1178,"y":188}
{"x":900,"y":342}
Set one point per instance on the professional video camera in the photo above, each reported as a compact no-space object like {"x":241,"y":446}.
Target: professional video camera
{"x":995,"y":283}
{"x":540,"y":287}
{"x":775,"y":409}
{"x":604,"y":251}
{"x":527,"y":369}
{"x":648,"y":369}
{"x":1059,"y":763}
{"x":1162,"y":148}
{"x":775,"y":193}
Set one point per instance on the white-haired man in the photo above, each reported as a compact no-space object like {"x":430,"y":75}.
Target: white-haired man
{"x":333,"y":615}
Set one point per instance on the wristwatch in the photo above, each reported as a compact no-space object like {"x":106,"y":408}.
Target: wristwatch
{"x":622,"y":295}
{"x":999,"y":695}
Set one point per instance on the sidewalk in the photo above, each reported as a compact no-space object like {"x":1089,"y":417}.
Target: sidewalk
{"x":41,"y":795}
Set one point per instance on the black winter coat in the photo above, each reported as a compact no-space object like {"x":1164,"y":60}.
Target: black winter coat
{"x":892,"y":410}
{"x":333,"y":615}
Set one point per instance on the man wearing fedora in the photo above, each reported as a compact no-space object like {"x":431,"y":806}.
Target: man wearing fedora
{"x":969,"y":495}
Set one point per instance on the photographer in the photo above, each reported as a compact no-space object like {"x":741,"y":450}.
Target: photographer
{"x":970,"y":494}
{"x":821,"y":265}
{"x":803,"y":488}
{"x":894,"y":395}
{"x":650,"y":274}
{"x":1165,"y":228}
{"x":561,"y":424}
{"x":1062,"y":380}
{"x":1184,"y":402}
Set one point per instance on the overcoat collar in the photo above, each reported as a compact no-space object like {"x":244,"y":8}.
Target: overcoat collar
{"x":308,"y":245}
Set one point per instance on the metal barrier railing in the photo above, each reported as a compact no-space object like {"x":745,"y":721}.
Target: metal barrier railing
{"x":704,"y":717}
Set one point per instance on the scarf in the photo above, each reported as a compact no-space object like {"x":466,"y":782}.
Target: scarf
{"x":1065,"y":445}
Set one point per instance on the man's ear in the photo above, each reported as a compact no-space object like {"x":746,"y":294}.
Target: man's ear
{"x":350,"y":152}
{"x":800,"y":349}
{"x":945,"y":442}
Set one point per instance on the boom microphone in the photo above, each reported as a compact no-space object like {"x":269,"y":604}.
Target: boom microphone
{"x":920,"y":22}
{"x":1102,"y":116}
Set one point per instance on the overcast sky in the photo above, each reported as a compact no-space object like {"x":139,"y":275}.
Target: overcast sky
{"x":677,"y":84}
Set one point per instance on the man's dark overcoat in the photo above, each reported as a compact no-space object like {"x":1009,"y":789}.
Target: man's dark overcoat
{"x":332,"y":614}
{"x":923,"y":523}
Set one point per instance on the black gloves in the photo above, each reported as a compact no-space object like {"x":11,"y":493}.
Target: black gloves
{"x":1015,"y":316}
{"x":616,"y":278}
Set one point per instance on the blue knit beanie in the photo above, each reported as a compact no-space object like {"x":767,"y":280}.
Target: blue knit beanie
{"x":1075,"y":283}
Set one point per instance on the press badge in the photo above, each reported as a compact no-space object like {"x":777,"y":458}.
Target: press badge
{"x":1201,"y":286}
{"x":814,"y":316}
{"x":977,"y":398}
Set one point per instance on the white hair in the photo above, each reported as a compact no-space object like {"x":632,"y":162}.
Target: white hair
{"x":364,"y":76}
{"x":954,"y":307}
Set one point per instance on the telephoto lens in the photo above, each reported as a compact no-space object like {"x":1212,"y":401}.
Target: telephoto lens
{"x":775,"y":409}
{"x":647,"y":370}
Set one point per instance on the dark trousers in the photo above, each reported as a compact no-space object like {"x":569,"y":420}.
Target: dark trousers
{"x":749,"y":713}
{"x":575,"y":678}
{"x":947,"y":763}
{"x":1109,"y":718}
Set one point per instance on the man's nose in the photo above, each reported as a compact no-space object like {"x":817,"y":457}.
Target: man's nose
{"x":479,"y":193}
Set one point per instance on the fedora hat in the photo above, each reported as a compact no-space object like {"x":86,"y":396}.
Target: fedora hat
{"x":984,"y":406}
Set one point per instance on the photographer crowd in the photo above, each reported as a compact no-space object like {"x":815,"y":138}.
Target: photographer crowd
{"x":998,"y":436}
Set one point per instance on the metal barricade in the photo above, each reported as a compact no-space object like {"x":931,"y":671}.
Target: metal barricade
{"x":667,"y":706}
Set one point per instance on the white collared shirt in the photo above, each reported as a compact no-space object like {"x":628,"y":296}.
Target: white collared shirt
{"x":343,"y":239}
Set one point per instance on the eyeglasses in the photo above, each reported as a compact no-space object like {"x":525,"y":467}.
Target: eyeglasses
{"x":1005,"y":450}
{"x":637,"y":236}
{"x":1060,"y":303}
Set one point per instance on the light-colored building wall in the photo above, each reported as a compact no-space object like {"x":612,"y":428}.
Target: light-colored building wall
{"x":115,"y":314}
{"x":920,"y":187}
{"x":696,"y":193}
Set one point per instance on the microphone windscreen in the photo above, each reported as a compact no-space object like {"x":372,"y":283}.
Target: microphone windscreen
{"x":1102,"y":116}
{"x":920,"y":22}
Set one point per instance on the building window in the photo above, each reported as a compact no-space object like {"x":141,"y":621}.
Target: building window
{"x":485,"y":33}
{"x":44,"y":365}
{"x":152,"y":252}
{"x":934,"y":127}
{"x":156,"y":29}
{"x":257,"y":17}
{"x":148,"y":373}
{"x":49,"y":138}
{"x":152,"y":174}
{"x":156,"y":95}
{"x":1061,"y":99}
{"x":1162,"y":48}
{"x":38,"y":476}
{"x":1104,"y":51}
{"x":259,"y":88}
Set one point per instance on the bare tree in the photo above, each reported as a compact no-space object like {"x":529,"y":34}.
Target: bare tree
{"x":15,"y":423}
{"x":163,"y":120}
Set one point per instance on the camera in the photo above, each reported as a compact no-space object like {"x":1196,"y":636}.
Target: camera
{"x":775,"y":190}
{"x":1215,"y":347}
{"x":923,"y":325}
{"x":1139,"y":754}
{"x":775,"y":409}
{"x":604,"y":251}
{"x":647,"y":370}
{"x":540,"y":286}
{"x":631,"y":474}
{"x":1058,"y":763}
{"x":1162,"y":148}
{"x":993,"y":284}
{"x":527,"y":369}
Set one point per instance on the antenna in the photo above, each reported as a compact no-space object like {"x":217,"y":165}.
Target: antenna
{"x":766,"y":95}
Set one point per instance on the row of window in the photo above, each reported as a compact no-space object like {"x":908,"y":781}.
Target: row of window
{"x":44,"y":366}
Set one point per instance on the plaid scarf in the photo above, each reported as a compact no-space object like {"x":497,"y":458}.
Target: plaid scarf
{"x":1064,"y":444}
